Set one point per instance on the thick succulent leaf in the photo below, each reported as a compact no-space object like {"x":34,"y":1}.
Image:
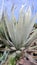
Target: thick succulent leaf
{"x":21,"y":13}
{"x":1,"y":10}
{"x":6,"y":42}
{"x":19,"y":28}
{"x":4,"y":27}
{"x":32,"y":24}
{"x":5,"y":31}
{"x":32,"y":38}
{"x":28,"y":26}
{"x":14,"y":23}
{"x":9,"y":25}
{"x":27,"y":23}
{"x":13,"y":19}
{"x":32,"y":48}
{"x":2,"y":34}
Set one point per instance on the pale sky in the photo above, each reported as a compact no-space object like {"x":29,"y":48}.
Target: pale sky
{"x":18,"y":3}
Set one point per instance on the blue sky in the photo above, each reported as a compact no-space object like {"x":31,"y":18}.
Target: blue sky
{"x":18,"y":3}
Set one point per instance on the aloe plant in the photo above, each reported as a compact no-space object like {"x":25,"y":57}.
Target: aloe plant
{"x":17,"y":34}
{"x":20,"y":31}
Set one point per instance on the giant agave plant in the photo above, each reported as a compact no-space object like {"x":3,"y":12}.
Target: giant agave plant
{"x":17,"y":34}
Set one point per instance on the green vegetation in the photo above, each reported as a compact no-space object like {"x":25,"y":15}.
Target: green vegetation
{"x":17,"y":35}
